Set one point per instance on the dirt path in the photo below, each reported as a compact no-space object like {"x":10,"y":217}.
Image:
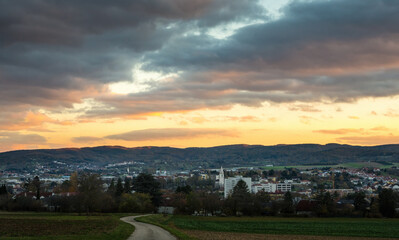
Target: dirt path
{"x":145,"y":231}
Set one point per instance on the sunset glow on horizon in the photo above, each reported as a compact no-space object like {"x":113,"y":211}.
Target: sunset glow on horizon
{"x":198,"y":73}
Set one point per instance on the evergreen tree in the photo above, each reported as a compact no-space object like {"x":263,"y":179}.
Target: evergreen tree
{"x":111,"y":189}
{"x":145,"y":183}
{"x":119,"y":188}
{"x":36,"y":186}
{"x":126,"y":186}
{"x":241,"y":199}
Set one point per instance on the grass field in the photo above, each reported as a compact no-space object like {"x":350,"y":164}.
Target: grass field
{"x":373,"y":228}
{"x":33,"y":226}
{"x":346,"y":165}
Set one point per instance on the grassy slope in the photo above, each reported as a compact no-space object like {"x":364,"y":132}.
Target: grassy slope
{"x":386,"y":228}
{"x":34,"y":226}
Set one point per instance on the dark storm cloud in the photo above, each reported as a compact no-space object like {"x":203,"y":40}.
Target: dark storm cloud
{"x":51,"y":47}
{"x":56,"y":53}
{"x":68,"y":22}
{"x":310,"y":34}
{"x":332,"y":50}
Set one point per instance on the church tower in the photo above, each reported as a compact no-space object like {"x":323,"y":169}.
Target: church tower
{"x":221,"y":178}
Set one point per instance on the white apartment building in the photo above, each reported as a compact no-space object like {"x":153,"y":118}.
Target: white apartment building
{"x":230,"y":183}
{"x":271,"y":187}
{"x":284,"y":187}
{"x":267,"y":187}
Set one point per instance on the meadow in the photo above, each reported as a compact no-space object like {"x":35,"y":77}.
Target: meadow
{"x":344,"y":165}
{"x":33,"y":226}
{"x":333,"y":227}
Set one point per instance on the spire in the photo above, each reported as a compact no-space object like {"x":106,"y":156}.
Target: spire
{"x":221,"y":177}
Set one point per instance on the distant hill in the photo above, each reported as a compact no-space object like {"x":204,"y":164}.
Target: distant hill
{"x":212,"y":157}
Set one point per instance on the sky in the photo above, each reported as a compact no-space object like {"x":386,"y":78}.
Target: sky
{"x":198,"y":73}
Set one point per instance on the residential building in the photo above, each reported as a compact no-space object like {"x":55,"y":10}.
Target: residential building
{"x":230,"y":183}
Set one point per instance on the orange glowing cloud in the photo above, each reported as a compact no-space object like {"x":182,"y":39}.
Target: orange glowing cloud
{"x":30,"y":120}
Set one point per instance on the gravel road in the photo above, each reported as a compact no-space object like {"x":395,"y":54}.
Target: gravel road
{"x":145,"y":231}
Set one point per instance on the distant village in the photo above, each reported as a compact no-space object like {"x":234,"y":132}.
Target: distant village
{"x":303,"y":184}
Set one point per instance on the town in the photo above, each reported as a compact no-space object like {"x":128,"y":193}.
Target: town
{"x":303,"y":184}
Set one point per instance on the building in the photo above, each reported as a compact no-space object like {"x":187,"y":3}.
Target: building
{"x":284,"y":187}
{"x":230,"y":183}
{"x":271,"y":187}
{"x":266,"y":187}
{"x":221,"y":178}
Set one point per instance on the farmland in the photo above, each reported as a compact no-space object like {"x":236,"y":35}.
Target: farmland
{"x":333,"y":227}
{"x":32,"y":226}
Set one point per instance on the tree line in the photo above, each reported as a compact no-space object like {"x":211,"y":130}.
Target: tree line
{"x":322,"y":204}
{"x":86,"y":193}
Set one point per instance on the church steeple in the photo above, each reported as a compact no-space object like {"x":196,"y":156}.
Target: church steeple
{"x":221,"y":177}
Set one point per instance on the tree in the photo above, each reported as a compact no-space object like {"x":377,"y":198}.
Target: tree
{"x":74,"y":182}
{"x":288,"y":204}
{"x":360,"y":202}
{"x":387,"y":201}
{"x":145,"y":183}
{"x":65,"y":186}
{"x":36,"y":186}
{"x":193,"y":202}
{"x":128,"y":203}
{"x":326,"y":204}
{"x":126,"y":186}
{"x":240,"y":199}
{"x":374,"y":208}
{"x":186,"y":189}
{"x":179,"y":202}
{"x":3,"y":190}
{"x":261,"y":201}
{"x":90,"y":191}
{"x":271,"y":172}
{"x":111,"y":188}
{"x":119,"y":188}
{"x":210,"y":202}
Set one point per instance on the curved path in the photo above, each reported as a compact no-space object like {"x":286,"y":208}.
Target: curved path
{"x":145,"y":231}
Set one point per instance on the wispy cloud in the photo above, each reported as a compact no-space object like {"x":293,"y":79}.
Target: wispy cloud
{"x":171,"y":133}
{"x":86,"y":139}
{"x":340,"y":131}
{"x":10,"y":140}
{"x":362,"y":131}
{"x":370,"y":140}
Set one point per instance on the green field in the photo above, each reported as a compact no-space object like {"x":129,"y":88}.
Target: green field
{"x":345,"y":165}
{"x":33,"y":226}
{"x":382,"y":228}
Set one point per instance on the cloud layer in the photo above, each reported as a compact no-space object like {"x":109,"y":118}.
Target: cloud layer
{"x":171,"y":133}
{"x":56,"y":54}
